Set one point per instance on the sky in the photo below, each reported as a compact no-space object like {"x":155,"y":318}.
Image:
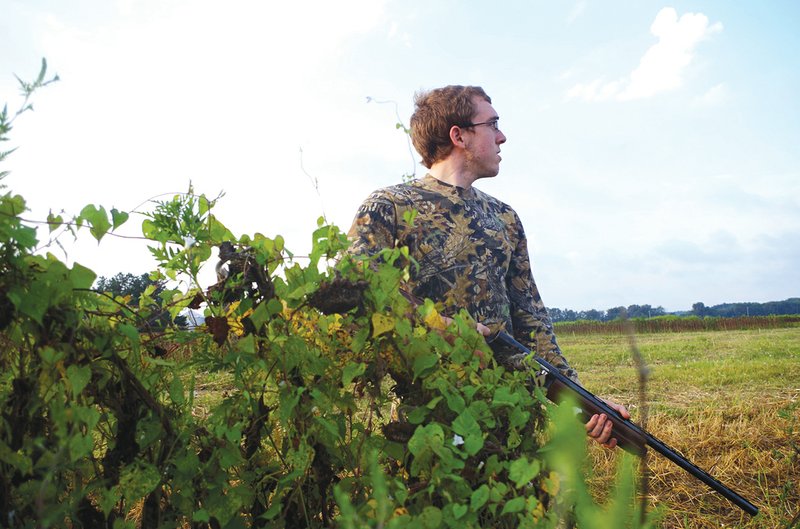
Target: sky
{"x":652,"y":149}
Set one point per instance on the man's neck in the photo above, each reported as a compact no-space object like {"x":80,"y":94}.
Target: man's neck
{"x":452,"y":174}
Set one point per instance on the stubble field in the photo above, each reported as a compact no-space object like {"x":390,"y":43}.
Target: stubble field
{"x":728,"y":401}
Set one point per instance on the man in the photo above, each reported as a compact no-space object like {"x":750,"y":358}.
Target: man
{"x":471,"y":248}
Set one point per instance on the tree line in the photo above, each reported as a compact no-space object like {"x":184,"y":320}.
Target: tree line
{"x":133,"y":285}
{"x":725,"y":310}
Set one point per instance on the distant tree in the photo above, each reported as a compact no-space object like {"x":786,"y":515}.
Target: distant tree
{"x":645,"y":311}
{"x":638,"y":311}
{"x":616,"y":313}
{"x":591,"y":314}
{"x":699,"y":309}
{"x":126,"y":284}
{"x":556,"y":314}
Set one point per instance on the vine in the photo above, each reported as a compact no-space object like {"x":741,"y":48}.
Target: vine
{"x":343,"y":405}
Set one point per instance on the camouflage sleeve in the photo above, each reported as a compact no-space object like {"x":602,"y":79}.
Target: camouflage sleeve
{"x":529,"y":317}
{"x":374,"y":227}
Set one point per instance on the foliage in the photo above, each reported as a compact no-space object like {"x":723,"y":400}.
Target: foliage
{"x":99,"y":427}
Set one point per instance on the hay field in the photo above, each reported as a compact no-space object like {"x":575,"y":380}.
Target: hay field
{"x":727,"y":400}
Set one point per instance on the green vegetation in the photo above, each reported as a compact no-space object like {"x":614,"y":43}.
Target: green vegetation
{"x":278,"y":411}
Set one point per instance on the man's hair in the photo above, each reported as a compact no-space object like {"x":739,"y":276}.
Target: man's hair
{"x":435,"y":112}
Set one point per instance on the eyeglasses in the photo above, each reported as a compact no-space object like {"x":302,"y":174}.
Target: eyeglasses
{"x":493,"y":123}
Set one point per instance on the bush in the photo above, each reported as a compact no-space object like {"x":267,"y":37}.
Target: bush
{"x":343,"y":405}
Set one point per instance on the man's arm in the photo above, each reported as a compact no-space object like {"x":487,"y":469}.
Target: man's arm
{"x":374,"y":227}
{"x":532,"y":324}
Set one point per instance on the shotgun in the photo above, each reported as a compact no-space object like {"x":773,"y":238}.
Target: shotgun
{"x":630,"y":437}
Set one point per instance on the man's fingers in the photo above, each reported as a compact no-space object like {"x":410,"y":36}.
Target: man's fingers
{"x":605,"y":433}
{"x":594,"y":428}
{"x":599,"y":428}
{"x":622,"y":410}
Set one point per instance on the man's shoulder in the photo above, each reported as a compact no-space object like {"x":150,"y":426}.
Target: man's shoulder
{"x":495,"y":203}
{"x":405,"y":193}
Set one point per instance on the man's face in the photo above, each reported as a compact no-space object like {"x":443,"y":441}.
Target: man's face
{"x":482,"y":142}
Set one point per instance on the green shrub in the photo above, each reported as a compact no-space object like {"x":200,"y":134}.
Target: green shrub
{"x":343,"y":405}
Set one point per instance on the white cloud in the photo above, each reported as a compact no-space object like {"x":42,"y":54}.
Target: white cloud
{"x":576,"y":11}
{"x":716,"y":95}
{"x":662,"y":67}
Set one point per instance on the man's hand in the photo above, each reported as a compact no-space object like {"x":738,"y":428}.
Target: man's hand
{"x":481,"y":328}
{"x":599,"y":426}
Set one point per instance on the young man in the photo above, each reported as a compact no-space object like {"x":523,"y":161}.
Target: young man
{"x":471,"y":247}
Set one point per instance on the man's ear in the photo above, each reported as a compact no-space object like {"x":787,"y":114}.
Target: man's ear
{"x":456,"y":136}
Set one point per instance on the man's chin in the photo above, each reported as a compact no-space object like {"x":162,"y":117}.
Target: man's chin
{"x":486,"y":176}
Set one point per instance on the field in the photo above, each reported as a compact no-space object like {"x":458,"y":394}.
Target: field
{"x":726,"y":400}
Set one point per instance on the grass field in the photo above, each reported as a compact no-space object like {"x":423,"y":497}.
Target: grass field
{"x":729,"y":401}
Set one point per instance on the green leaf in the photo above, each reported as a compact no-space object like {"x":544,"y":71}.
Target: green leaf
{"x":42,"y":72}
{"x":430,"y":518}
{"x":78,"y":377}
{"x":504,"y":397}
{"x":131,"y":332}
{"x":54,"y":221}
{"x":176,"y":391}
{"x":479,"y":497}
{"x":118,"y":218}
{"x":80,"y":445}
{"x":417,"y":415}
{"x":98,"y":219}
{"x":523,"y":471}
{"x":203,"y":205}
{"x":515,"y":505}
{"x":107,"y":498}
{"x":151,"y":231}
{"x":81,"y":277}
{"x":218,"y":230}
{"x":138,"y":480}
{"x":352,"y":371}
{"x":288,"y":403}
{"x":260,"y":315}
{"x":465,"y":424}
{"x":424,"y":362}
{"x":459,"y":510}
{"x":425,"y":438}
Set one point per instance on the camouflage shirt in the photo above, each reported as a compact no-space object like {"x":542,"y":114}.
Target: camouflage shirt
{"x":472,"y":254}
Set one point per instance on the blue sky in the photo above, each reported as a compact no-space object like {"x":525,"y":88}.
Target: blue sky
{"x":652,"y":147}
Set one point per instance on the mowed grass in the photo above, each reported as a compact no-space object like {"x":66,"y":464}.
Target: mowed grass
{"x":728,"y":401}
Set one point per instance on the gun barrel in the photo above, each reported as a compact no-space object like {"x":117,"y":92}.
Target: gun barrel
{"x":630,"y":436}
